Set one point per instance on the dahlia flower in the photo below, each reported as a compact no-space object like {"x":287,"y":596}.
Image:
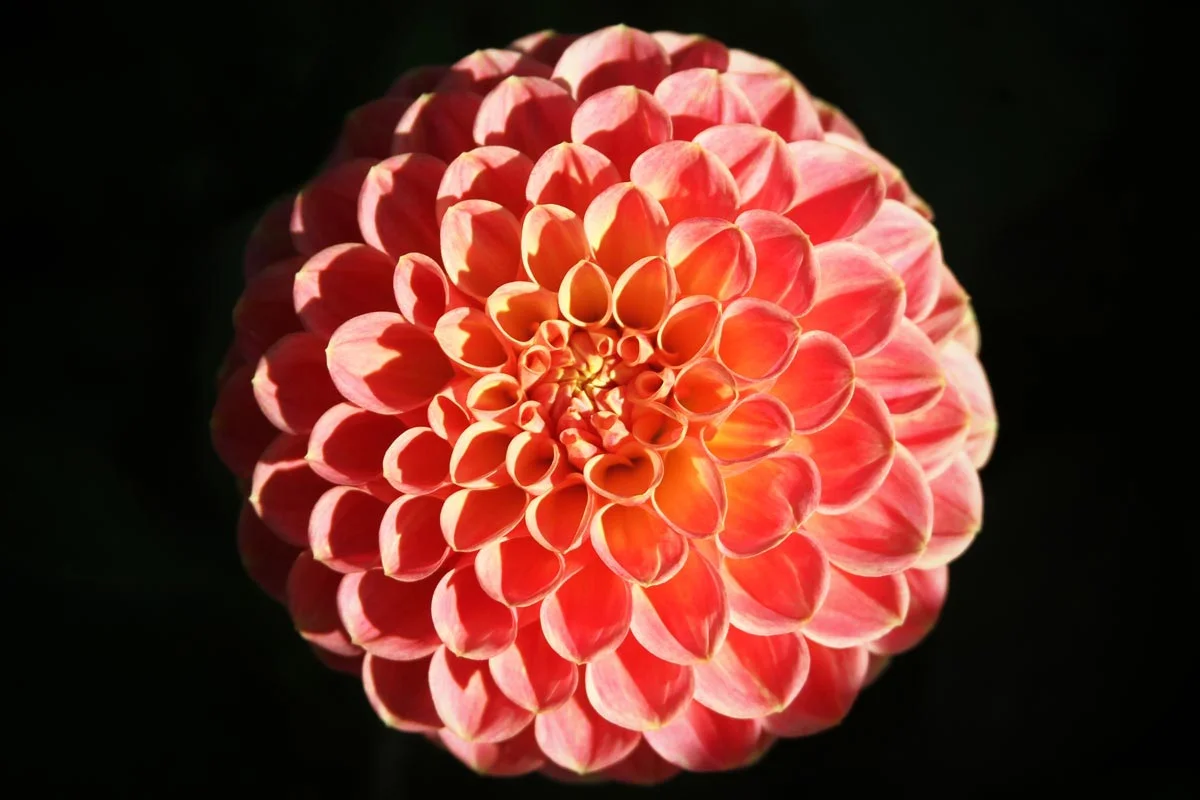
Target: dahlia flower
{"x":605,"y":403}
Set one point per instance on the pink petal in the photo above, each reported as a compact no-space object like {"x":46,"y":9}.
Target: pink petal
{"x":532,"y":675}
{"x":818,"y":383}
{"x":343,"y":530}
{"x":841,"y":191}
{"x":691,"y":496}
{"x":240,"y":432}
{"x":622,"y":123}
{"x":835,"y":678}
{"x":518,"y":571}
{"x":698,"y":99}
{"x":624,"y":224}
{"x":927,"y":589}
{"x":312,"y":602}
{"x":860,"y":299}
{"x":472,"y":624}
{"x":399,"y":693}
{"x":687,"y":180}
{"x":637,"y":545}
{"x":388,"y":618}
{"x":765,"y":172}
{"x":284,"y":489}
{"x":888,"y":532}
{"x":753,"y":676}
{"x":396,"y":206}
{"x":693,"y":51}
{"x":574,"y":736}
{"x":546,"y":46}
{"x":768,"y":502}
{"x":949,"y":310}
{"x":786,"y":270}
{"x":853,"y":454}
{"x":560,"y":518}
{"x":957,"y":513}
{"x":700,"y":740}
{"x":417,"y":462}
{"x":858,"y":609}
{"x":779,"y":590}
{"x":326,"y":209}
{"x":552,"y":241}
{"x":936,"y":435}
{"x":633,"y":688}
{"x":783,"y":105}
{"x":516,"y":756}
{"x":421,"y":290}
{"x":473,"y":517}
{"x":469,"y":702}
{"x":612,"y":56}
{"x":266,"y":558}
{"x":529,"y":114}
{"x":340,"y":283}
{"x":292,"y":385}
{"x":906,"y":372}
{"x":642,"y":767}
{"x":588,"y":615}
{"x":264,"y":313}
{"x":439,"y":124}
{"x":570,"y":175}
{"x":967,"y":374}
{"x":493,"y":173}
{"x":834,"y":120}
{"x":910,"y":244}
{"x":483,"y":70}
{"x":384,"y":364}
{"x":447,"y":413}
{"x":481,"y":246}
{"x":683,"y":620}
{"x":410,"y":538}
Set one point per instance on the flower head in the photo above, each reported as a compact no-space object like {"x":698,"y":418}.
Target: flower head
{"x":605,"y":404}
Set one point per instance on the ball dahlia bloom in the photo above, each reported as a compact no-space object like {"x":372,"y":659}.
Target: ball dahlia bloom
{"x":606,"y":405}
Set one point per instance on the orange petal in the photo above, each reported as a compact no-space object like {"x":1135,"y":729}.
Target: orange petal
{"x":284,"y":489}
{"x":312,"y":602}
{"x":495,"y":396}
{"x":438,"y":123}
{"x":756,"y":340}
{"x":687,"y":180}
{"x":292,"y":384}
{"x":628,"y":476}
{"x":781,"y":102}
{"x":842,"y":191}
{"x":697,"y":99}
{"x":493,"y":173}
{"x":399,"y":693}
{"x":343,"y":530}
{"x":964,"y":369}
{"x":574,"y":736}
{"x":785,"y":269}
{"x":587,"y":615}
{"x":860,"y":298}
{"x":612,"y":56}
{"x":534,"y":461}
{"x":560,"y":518}
{"x":636,"y":544}
{"x":585,"y":296}
{"x":700,"y":740}
{"x":908,"y":242}
{"x":691,"y":497}
{"x":342,"y":282}
{"x":818,"y":383}
{"x":518,"y":571}
{"x":767,"y":502}
{"x":927,"y":592}
{"x":644,"y":294}
{"x":532,"y":675}
{"x":906,"y":372}
{"x":624,"y":224}
{"x":516,"y":756}
{"x":480,"y":246}
{"x":756,"y":427}
{"x":386,"y":365}
{"x":760,"y":162}
{"x":325,"y":211}
{"x":858,"y":609}
{"x":957,"y":513}
{"x":396,"y":206}
{"x":518,"y":309}
{"x":635,"y":689}
{"x":658,"y":427}
{"x":622,"y":123}
{"x":705,"y":390}
{"x":777,"y":591}
{"x":473,"y":517}
{"x":889,"y":531}
{"x":650,"y":387}
{"x":410,"y":538}
{"x":447,"y":412}
{"x":711,"y":257}
{"x":688,"y":331}
{"x":469,"y":702}
{"x":552,"y":241}
{"x":417,"y":462}
{"x":469,"y":339}
{"x":477,"y":461}
{"x":529,"y":114}
{"x":683,"y":620}
{"x":752,"y":676}
{"x":853,"y":454}
{"x":472,"y":624}
{"x":388,"y":618}
{"x":835,"y":678}
{"x":570,"y":175}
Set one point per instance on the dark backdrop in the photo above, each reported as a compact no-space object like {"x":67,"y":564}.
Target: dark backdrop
{"x":149,"y":663}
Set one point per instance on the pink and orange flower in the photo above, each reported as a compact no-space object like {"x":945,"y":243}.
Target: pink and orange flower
{"x":607,"y":405}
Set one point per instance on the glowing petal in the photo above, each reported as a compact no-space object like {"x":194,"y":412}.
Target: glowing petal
{"x":691,"y":496}
{"x":683,"y":620}
{"x":698,"y":99}
{"x":687,"y":180}
{"x":529,"y":114}
{"x":841,"y":191}
{"x":768,"y":502}
{"x":588,"y":615}
{"x":636,"y":544}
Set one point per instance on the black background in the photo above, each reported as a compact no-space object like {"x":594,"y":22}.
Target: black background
{"x":149,"y":664}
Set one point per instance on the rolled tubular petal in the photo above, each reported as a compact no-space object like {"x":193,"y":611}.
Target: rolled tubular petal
{"x":683,"y":620}
{"x":687,"y":180}
{"x":688,"y":330}
{"x":560,"y":518}
{"x":779,"y":590}
{"x":532,"y":675}
{"x":835,"y":678}
{"x":635,"y":689}
{"x":637,"y":545}
{"x":343,"y":530}
{"x":468,"y":338}
{"x":383,"y":364}
{"x":906,"y":372}
{"x":588,"y":615}
{"x":399,"y":693}
{"x":701,"y":740}
{"x":396,"y":205}
{"x":388,"y":618}
{"x":468,"y":621}
{"x":468,"y":701}
{"x":860,"y":298}
{"x":644,"y":294}
{"x":494,"y":173}
{"x":697,"y":99}
{"x":585,"y":296}
{"x":858,"y":609}
{"x":853,"y":454}
{"x":768,"y":502}
{"x":627,"y":477}
{"x":753,"y":676}
{"x":841,"y":191}
{"x":576,"y":737}
{"x":927,"y":592}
